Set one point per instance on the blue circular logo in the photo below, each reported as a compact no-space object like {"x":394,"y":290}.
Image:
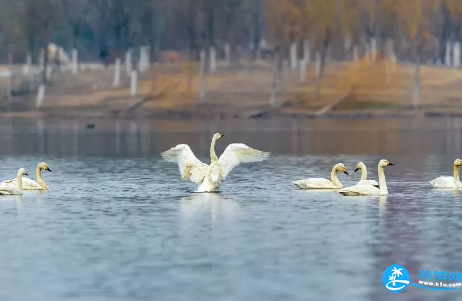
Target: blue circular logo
{"x":396,"y":278}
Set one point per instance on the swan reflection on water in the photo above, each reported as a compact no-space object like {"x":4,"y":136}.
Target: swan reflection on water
{"x":216,"y":205}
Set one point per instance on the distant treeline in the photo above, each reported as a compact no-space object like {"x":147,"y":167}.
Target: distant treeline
{"x":414,"y":30}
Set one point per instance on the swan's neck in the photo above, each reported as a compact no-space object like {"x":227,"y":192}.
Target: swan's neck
{"x":213,"y":155}
{"x":38,"y":174}
{"x":382,"y":181}
{"x":19,"y":182}
{"x":363,"y":173}
{"x":334,"y":178}
{"x":456,"y":177}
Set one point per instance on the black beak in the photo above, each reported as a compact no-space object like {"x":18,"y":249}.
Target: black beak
{"x":356,"y":169}
{"x":346,"y":172}
{"x":48,"y":169}
{"x":26,"y":174}
{"x":390,"y":164}
{"x":222,"y":135}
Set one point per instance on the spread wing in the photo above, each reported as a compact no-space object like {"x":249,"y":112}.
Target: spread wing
{"x":189,"y":166}
{"x":237,"y":153}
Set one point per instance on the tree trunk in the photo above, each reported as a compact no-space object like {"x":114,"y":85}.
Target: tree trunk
{"x":133,"y":83}
{"x":456,"y":54}
{"x":373,"y":52}
{"x":75,"y":61}
{"x":202,"y":73}
{"x":448,"y":54}
{"x":306,"y":52}
{"x":325,"y":48}
{"x":116,"y":82}
{"x":276,"y":86}
{"x":355,"y":54}
{"x":45,"y":65}
{"x":228,"y":53}
{"x":303,"y":68}
{"x":416,"y":93}
{"x":293,"y":56}
{"x":128,"y":61}
{"x":213,"y":59}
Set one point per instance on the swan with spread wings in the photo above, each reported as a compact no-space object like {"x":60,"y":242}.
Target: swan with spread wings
{"x":209,"y":177}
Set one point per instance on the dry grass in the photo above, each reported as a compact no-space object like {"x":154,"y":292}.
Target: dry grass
{"x":367,"y":85}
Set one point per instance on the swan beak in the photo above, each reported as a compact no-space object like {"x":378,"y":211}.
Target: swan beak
{"x":48,"y":169}
{"x":346,"y":172}
{"x":26,"y":174}
{"x":356,"y":169}
{"x":390,"y":164}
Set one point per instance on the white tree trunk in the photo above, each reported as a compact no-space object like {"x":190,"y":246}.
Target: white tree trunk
{"x":355,"y":54}
{"x":373,"y":52}
{"x":9,"y":88}
{"x":318,"y":64}
{"x":116,"y":82}
{"x":141,"y":61}
{"x":293,"y":56}
{"x":347,"y":46}
{"x":144,"y":61}
{"x":213,"y":59}
{"x":75,"y":61}
{"x":202,"y":66}
{"x":306,"y":52}
{"x":303,"y":68}
{"x":448,"y":54}
{"x":416,"y":94}
{"x":134,"y":83}
{"x":147,"y":56}
{"x":456,"y":55}
{"x":275,"y":86}
{"x":49,"y":71}
{"x":128,"y":61}
{"x":41,"y":59}
{"x":28,"y":66}
{"x":40,"y":96}
{"x":228,"y":53}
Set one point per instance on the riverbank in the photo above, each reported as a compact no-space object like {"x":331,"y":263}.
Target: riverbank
{"x":362,"y":89}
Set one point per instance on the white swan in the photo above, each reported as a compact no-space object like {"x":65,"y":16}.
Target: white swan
{"x":29,"y":184}
{"x":370,"y":190}
{"x":16,"y":188}
{"x":209,"y":177}
{"x":321,"y":183}
{"x":449,"y":182}
{"x":364,"y":181}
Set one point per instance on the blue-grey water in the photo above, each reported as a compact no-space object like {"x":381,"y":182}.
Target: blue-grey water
{"x":119,"y":224}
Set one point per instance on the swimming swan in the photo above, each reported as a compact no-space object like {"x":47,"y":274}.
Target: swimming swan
{"x":321,"y":183}
{"x":364,"y":181}
{"x":209,"y":177}
{"x":11,"y":189}
{"x":449,"y":182}
{"x":370,"y":190}
{"x":29,"y":184}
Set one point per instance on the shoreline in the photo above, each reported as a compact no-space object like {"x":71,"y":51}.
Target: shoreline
{"x":182,"y":114}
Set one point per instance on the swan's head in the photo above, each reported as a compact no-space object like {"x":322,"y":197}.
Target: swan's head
{"x":44,"y":166}
{"x":341,"y":167}
{"x":22,"y":172}
{"x":360,"y":166}
{"x":457,"y":162}
{"x":217,"y":136}
{"x":385,"y":163}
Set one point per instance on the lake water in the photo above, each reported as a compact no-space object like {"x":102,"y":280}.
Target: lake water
{"x":118,"y":224}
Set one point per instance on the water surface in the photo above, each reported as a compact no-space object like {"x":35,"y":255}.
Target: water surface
{"x":118,"y":224}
